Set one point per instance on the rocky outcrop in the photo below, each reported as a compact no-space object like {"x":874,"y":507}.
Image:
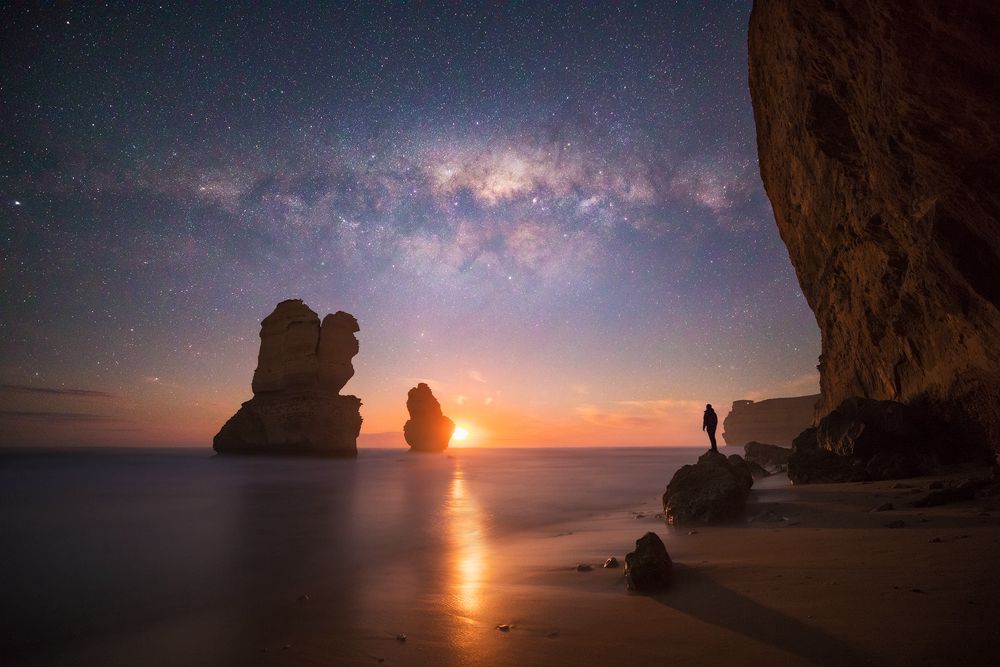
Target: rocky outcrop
{"x":870,"y":440}
{"x":774,"y":420}
{"x":301,"y":367}
{"x":713,"y":490}
{"x":769,"y":457}
{"x":427,"y":429}
{"x":648,"y":568}
{"x":879,"y":150}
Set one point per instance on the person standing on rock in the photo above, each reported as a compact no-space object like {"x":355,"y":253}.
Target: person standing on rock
{"x":708,"y":423}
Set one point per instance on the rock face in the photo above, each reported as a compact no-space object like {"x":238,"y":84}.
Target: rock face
{"x":769,"y":457}
{"x":713,"y":490}
{"x":301,"y":368}
{"x":427,"y":429}
{"x":870,"y":440}
{"x":879,"y":150}
{"x":648,"y":568}
{"x":775,"y":420}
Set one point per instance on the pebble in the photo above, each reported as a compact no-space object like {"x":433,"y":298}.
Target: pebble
{"x":583,"y":567}
{"x":503,"y":627}
{"x":692,"y":532}
{"x":554,"y":634}
{"x":611,"y":562}
{"x":303,"y":598}
{"x":400,"y":637}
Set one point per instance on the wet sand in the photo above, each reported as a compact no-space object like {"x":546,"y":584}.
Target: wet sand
{"x":831,"y":585}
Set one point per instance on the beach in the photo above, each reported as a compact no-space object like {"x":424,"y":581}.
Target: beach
{"x":405,"y":559}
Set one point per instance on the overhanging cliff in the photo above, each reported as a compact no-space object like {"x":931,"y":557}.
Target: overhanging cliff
{"x":878,"y":133}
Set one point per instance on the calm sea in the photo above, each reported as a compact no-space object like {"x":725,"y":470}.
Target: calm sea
{"x":101,"y":543}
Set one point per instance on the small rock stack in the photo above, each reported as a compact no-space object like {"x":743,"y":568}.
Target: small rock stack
{"x":427,"y":430}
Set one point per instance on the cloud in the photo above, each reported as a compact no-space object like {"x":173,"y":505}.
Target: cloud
{"x":56,"y":391}
{"x":666,"y":413}
{"x":800,"y":385}
{"x":477,"y":376}
{"x":59,"y":417}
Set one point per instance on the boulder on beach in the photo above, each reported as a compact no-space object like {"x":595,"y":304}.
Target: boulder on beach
{"x":427,"y":429}
{"x":648,"y":568}
{"x":714,"y":489}
{"x":771,"y":458}
{"x":296,"y":408}
{"x":864,"y":439}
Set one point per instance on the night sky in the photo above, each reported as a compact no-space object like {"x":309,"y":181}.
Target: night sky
{"x":551,"y":213}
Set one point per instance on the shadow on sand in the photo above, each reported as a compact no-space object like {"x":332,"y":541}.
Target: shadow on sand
{"x":695,"y":594}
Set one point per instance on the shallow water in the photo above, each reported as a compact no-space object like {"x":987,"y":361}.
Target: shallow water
{"x":105,"y":544}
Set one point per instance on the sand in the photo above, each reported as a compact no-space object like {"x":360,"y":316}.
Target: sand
{"x":831,"y":585}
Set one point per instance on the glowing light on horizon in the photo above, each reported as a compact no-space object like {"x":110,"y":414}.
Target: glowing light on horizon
{"x":460,"y":434}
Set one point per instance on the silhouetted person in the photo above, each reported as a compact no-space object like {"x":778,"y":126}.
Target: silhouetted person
{"x":708,"y":423}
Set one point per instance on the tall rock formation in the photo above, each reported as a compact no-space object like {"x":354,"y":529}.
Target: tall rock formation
{"x":301,"y":368}
{"x":877,"y":132}
{"x":427,"y":429}
{"x":775,"y":421}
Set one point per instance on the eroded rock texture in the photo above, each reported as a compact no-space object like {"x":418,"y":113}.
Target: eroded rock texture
{"x":774,"y":420}
{"x":877,"y":132}
{"x":427,"y":429}
{"x":301,"y":368}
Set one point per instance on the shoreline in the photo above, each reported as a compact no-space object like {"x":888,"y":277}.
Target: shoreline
{"x":827,"y":587}
{"x":831,"y":585}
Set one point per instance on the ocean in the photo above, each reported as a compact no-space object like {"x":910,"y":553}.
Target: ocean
{"x":104,"y":549}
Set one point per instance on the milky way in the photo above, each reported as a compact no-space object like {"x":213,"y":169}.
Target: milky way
{"x":552,"y":213}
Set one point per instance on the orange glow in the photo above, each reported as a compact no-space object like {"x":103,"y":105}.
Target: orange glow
{"x":468,"y":550}
{"x":460,"y":434}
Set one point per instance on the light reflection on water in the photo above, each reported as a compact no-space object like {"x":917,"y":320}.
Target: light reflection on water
{"x":469,"y":551}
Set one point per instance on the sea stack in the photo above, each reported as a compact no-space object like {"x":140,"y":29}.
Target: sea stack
{"x":878,"y":146}
{"x":297,"y":407}
{"x":427,"y":429}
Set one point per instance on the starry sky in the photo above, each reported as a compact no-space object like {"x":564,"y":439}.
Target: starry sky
{"x":550,"y":212}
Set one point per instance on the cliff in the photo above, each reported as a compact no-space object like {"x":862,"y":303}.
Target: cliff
{"x":775,"y":421}
{"x":879,"y":150}
{"x":301,"y":368}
